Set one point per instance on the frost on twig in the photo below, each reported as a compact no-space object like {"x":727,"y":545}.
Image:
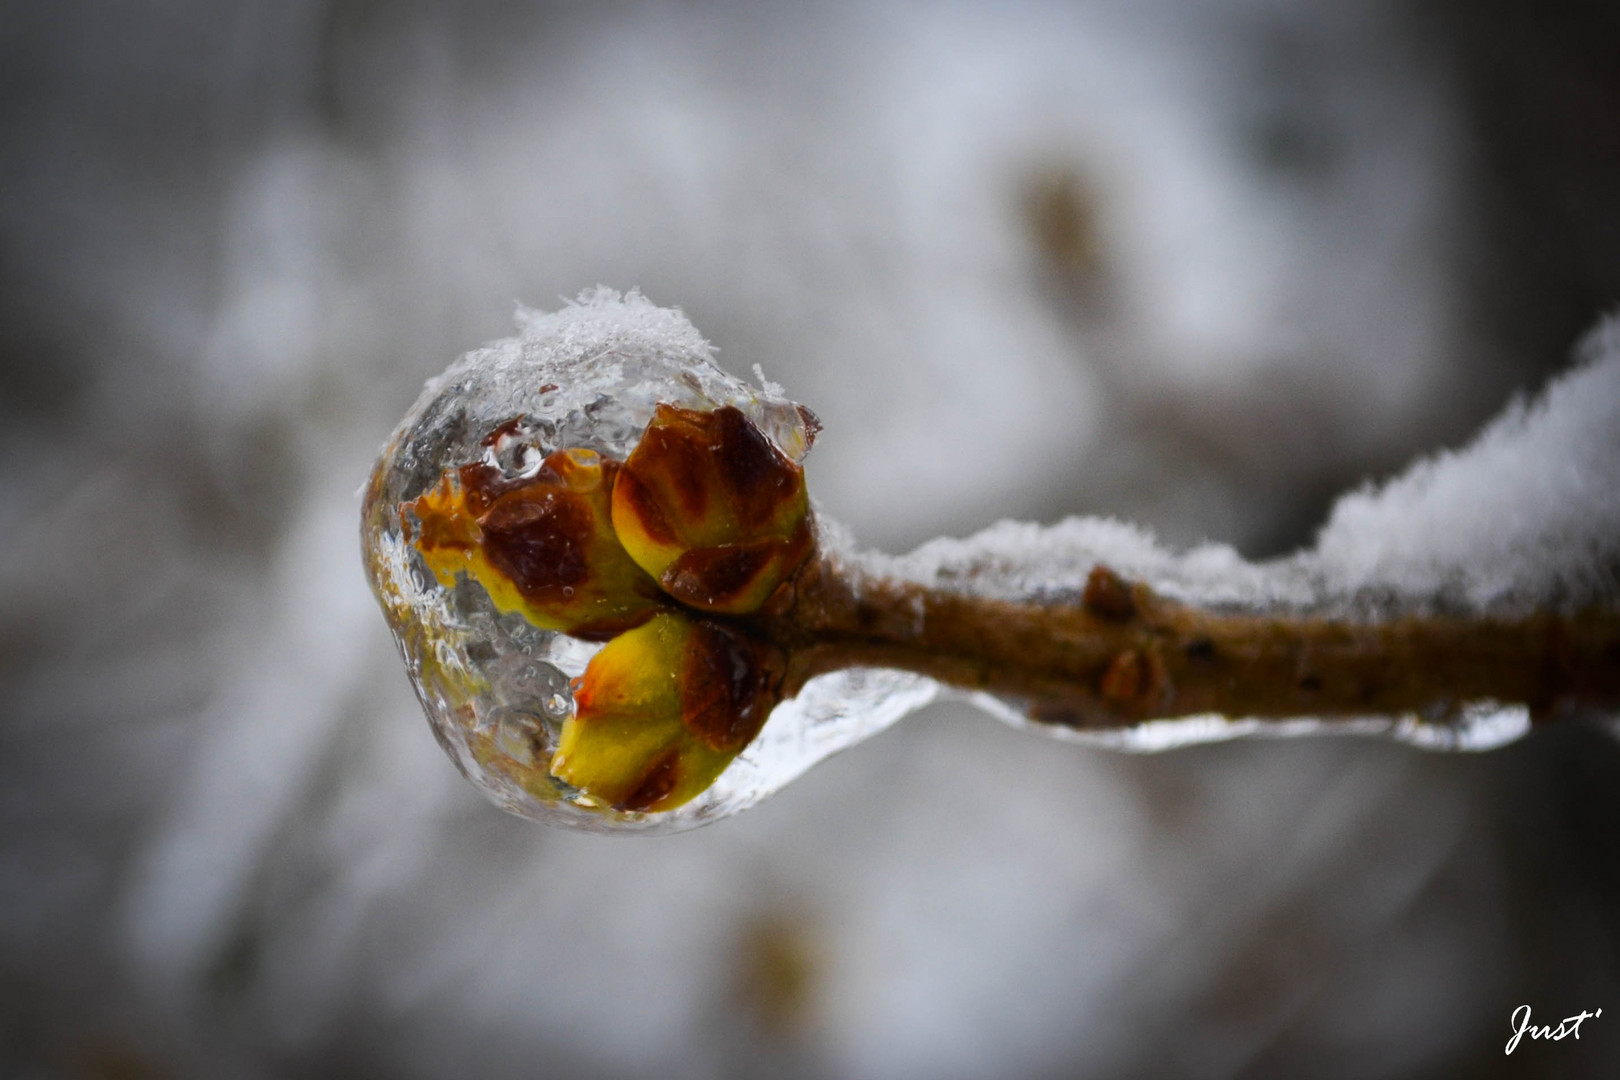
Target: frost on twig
{"x":1525,"y":517}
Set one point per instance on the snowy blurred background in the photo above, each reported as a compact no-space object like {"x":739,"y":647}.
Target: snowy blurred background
{"x":1200,"y":265}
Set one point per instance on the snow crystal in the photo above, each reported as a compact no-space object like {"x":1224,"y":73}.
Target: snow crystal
{"x":1529,"y":513}
{"x":1526,"y":515}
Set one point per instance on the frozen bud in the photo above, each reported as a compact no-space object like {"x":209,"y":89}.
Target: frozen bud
{"x":542,"y":545}
{"x":708,"y":506}
{"x":662,"y":710}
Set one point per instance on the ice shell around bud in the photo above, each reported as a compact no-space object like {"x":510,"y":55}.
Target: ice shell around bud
{"x":708,"y":506}
{"x":662,"y":710}
{"x":587,"y":376}
{"x":543,"y":546}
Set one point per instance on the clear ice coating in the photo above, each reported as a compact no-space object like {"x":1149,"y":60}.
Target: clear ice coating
{"x":499,"y":689}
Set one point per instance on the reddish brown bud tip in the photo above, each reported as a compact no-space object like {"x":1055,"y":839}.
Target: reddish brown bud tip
{"x":729,"y":685}
{"x":1108,"y":596}
{"x":1135,"y":680}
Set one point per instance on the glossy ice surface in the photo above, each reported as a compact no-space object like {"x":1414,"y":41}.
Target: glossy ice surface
{"x":496,"y":686}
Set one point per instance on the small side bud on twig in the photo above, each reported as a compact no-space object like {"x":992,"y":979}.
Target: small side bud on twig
{"x":1107,"y":595}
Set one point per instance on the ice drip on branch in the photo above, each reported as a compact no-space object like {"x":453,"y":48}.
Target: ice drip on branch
{"x":597,"y":553}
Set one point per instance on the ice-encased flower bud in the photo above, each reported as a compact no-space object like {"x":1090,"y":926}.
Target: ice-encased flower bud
{"x":541,"y":545}
{"x":494,"y":678}
{"x":662,"y":710}
{"x":708,"y":506}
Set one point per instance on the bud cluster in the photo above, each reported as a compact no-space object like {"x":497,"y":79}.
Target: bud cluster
{"x":704,"y":521}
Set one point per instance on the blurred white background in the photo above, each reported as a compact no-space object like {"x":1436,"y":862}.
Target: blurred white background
{"x":1197,"y":265}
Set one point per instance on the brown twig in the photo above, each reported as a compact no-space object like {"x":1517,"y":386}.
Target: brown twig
{"x":1123,"y":654}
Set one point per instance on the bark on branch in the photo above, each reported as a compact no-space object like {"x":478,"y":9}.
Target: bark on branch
{"x":1122,"y":654}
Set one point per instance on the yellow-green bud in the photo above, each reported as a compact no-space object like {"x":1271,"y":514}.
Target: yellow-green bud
{"x":662,"y":710}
